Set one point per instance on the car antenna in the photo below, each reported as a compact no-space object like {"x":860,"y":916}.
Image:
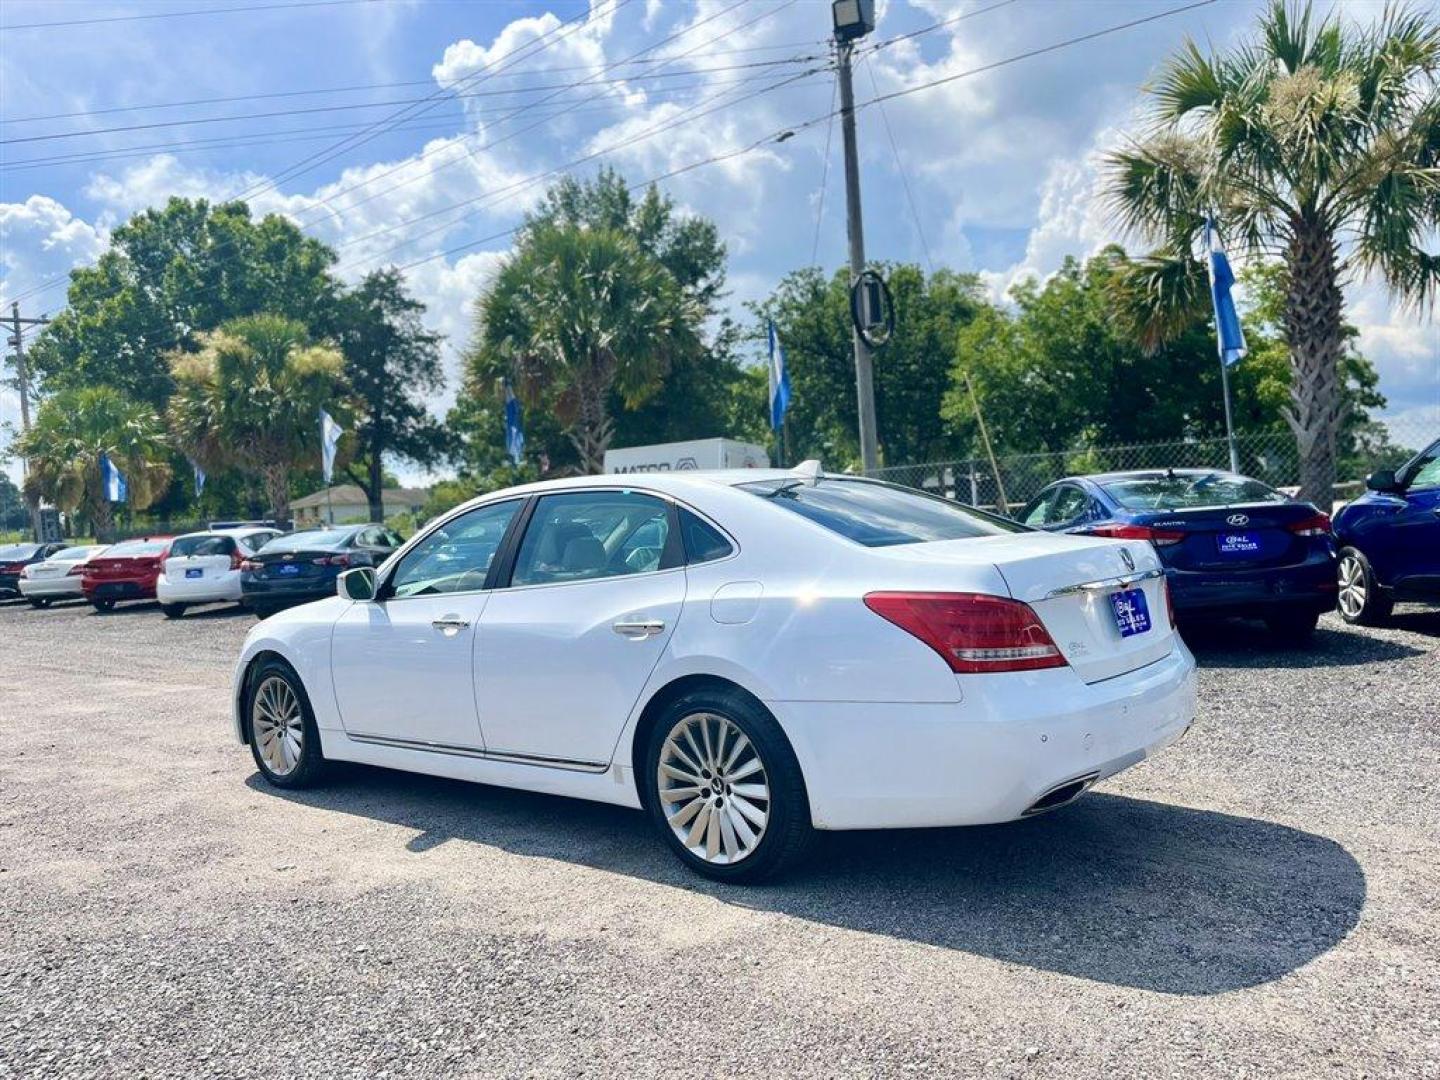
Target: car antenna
{"x":809,"y":471}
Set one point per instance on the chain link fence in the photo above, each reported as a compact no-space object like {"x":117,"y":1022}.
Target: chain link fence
{"x":1270,"y":456}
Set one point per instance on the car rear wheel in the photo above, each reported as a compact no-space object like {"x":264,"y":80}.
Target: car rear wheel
{"x":281,"y":726}
{"x":39,"y":602}
{"x":1361,"y":600}
{"x":724,"y":789}
{"x":173,"y":611}
{"x":103,"y":605}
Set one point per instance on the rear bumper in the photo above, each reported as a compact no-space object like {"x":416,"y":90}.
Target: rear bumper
{"x":1307,"y":586}
{"x":10,"y":584}
{"x":119,"y":590}
{"x":214,"y":590}
{"x":271,"y":592}
{"x":989,"y":758}
{"x":63,"y":585}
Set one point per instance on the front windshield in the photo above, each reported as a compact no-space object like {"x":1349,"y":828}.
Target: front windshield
{"x":1188,"y":491}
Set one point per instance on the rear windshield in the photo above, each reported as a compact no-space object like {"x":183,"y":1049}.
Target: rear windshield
{"x":19,"y":551}
{"x":314,"y":538}
{"x":75,"y":554}
{"x":203,"y":545}
{"x":131,"y":548}
{"x":879,"y":515}
{"x":1189,"y":491}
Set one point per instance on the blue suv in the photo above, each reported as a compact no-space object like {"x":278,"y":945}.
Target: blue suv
{"x":1390,"y":540}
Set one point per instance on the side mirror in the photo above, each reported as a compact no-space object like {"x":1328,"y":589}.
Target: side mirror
{"x":358,"y":584}
{"x":1383,"y":480}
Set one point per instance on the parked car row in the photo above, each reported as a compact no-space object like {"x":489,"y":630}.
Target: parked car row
{"x":259,"y":566}
{"x":1233,"y":546}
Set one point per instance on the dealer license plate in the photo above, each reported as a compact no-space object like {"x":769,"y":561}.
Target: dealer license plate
{"x":1132,"y":613}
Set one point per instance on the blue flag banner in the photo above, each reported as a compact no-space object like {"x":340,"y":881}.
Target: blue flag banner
{"x":330,"y":433}
{"x":112,"y":480}
{"x":1230,"y":338}
{"x":199,"y":479}
{"x":514,"y":431}
{"x":779,"y":380}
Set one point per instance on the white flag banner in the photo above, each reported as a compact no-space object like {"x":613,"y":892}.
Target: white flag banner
{"x":330,"y":433}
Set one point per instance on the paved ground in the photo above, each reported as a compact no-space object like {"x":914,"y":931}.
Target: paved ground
{"x":1259,"y":901}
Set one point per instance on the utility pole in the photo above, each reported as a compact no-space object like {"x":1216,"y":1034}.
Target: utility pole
{"x":22,"y":378}
{"x":854,"y":21}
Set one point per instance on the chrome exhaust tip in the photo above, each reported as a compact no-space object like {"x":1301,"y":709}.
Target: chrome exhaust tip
{"x":1061,"y":795}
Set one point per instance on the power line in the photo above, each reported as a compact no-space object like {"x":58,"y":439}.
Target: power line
{"x":900,"y":168}
{"x":351,"y":106}
{"x":248,"y":9}
{"x":777,"y":47}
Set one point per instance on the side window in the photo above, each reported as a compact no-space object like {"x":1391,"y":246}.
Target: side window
{"x":1070,"y":506}
{"x":455,"y":557}
{"x":392,"y":539}
{"x":703,"y":542}
{"x":583,"y":536}
{"x":371,"y":537}
{"x":1035,"y":513}
{"x":1425,"y":473}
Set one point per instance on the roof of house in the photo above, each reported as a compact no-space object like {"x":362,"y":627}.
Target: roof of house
{"x":353,"y":495}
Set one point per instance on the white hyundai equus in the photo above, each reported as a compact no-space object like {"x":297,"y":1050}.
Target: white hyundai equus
{"x":746,"y":655}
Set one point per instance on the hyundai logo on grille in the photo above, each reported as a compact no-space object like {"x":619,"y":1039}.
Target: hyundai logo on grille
{"x":1238,"y":519}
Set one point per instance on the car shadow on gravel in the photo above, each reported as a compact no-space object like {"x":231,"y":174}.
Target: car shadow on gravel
{"x":1113,"y":889}
{"x":1239,"y":644}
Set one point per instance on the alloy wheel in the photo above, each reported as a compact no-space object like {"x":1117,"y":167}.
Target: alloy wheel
{"x":1353,"y":590}
{"x":713,"y":788}
{"x":278,"y":725}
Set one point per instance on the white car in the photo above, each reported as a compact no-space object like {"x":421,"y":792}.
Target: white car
{"x":747,"y":655}
{"x":58,"y":577}
{"x":205,"y":567}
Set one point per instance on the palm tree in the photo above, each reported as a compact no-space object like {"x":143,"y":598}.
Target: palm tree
{"x":1318,"y":144}
{"x":250,"y":399}
{"x":71,"y":431}
{"x":578,"y":312}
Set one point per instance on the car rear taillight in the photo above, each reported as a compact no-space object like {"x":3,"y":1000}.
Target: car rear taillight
{"x":250,"y":566}
{"x":973,"y":632}
{"x":1316,"y":525}
{"x":237,"y":561}
{"x":78,"y":570}
{"x":333,"y":560}
{"x":1169,"y":600}
{"x":1117,"y":531}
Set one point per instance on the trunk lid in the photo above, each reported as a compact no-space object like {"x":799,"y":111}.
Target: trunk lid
{"x":291,"y":565}
{"x":1068,"y":581}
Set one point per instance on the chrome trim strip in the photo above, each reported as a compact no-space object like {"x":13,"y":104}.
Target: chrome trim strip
{"x":477,"y":752}
{"x":1106,"y":584}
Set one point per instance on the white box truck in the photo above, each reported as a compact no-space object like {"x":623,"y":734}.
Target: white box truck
{"x":694,"y":454}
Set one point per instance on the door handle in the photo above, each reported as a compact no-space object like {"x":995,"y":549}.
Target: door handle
{"x":638,"y":629}
{"x":449,"y":625}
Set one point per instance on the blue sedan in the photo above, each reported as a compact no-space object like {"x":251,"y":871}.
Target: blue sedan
{"x":1390,"y":540}
{"x":1230,"y":545}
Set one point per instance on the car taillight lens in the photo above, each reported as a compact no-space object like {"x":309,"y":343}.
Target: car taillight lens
{"x":250,"y":566}
{"x":1317,"y":525}
{"x":333,"y":560}
{"x":1158,"y":537}
{"x":1169,"y":601}
{"x":237,"y":561}
{"x":974,"y":633}
{"x":78,"y":570}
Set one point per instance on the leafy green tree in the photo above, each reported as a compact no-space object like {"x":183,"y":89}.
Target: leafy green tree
{"x":14,"y":515}
{"x":812,"y":317}
{"x":1315,"y":143}
{"x":392,"y":364}
{"x":72,"y":429}
{"x":169,"y":276}
{"x":579,"y":314}
{"x":250,"y":398}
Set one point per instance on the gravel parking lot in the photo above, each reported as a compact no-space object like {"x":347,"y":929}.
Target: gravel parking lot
{"x":1260,"y":900}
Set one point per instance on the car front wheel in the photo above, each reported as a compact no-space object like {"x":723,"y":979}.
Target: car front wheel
{"x":281,"y":726}
{"x":173,"y":611}
{"x":103,"y":605}
{"x":724,"y":789}
{"x":1361,"y":600}
{"x":39,"y":602}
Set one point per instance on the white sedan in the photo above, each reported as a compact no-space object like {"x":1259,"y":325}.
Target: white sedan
{"x":747,"y":656}
{"x":58,"y":577}
{"x":205,"y":567}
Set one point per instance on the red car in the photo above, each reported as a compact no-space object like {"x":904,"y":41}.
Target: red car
{"x":125,"y":571}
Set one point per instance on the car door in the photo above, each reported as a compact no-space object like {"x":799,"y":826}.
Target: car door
{"x":1405,"y":548}
{"x":403,"y":664}
{"x":588,"y":608}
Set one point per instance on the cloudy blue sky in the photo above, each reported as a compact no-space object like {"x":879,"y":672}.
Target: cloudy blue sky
{"x":1001,"y":165}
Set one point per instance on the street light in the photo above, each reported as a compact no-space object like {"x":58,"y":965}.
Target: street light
{"x":853,"y":18}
